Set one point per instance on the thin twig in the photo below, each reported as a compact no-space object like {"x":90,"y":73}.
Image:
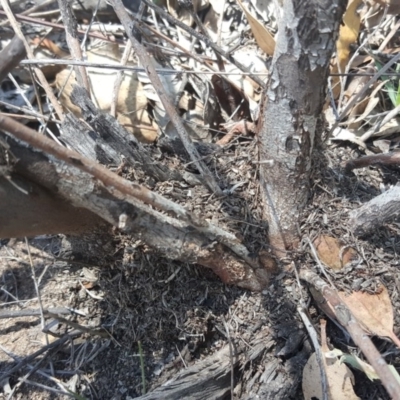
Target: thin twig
{"x":73,"y":42}
{"x":142,"y":367}
{"x":161,"y":71}
{"x":316,"y":258}
{"x":318,"y":353}
{"x":39,"y":297}
{"x":31,"y":20}
{"x":30,"y":10}
{"x":391,"y":158}
{"x":29,"y":52}
{"x":33,"y":313}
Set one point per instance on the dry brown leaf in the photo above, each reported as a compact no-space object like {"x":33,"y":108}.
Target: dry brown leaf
{"x":132,"y":101}
{"x":374,"y":312}
{"x":263,"y":38}
{"x":347,"y":36}
{"x":333,"y":253}
{"x":340,"y":378}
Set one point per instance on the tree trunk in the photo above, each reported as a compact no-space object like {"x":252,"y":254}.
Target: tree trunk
{"x":289,"y":125}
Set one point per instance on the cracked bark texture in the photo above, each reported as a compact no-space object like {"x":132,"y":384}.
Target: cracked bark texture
{"x":289,"y":121}
{"x":56,"y":197}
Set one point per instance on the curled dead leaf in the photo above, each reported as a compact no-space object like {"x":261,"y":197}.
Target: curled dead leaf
{"x":263,"y":38}
{"x":374,"y":312}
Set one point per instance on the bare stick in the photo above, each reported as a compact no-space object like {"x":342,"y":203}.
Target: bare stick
{"x":146,"y":61}
{"x":360,"y":338}
{"x":21,"y":17}
{"x":73,"y":42}
{"x":39,"y":297}
{"x":10,"y":56}
{"x":391,"y":158}
{"x":29,"y":52}
{"x":376,"y":212}
{"x":33,"y":313}
{"x":318,"y":353}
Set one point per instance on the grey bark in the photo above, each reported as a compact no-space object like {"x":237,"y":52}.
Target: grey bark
{"x":291,"y":110}
{"x":173,"y":239}
{"x":109,"y":142}
{"x":376,"y":212}
{"x":208,"y":379}
{"x":10,"y":56}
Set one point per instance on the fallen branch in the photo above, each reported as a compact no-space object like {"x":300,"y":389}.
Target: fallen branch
{"x":11,"y":56}
{"x":392,"y":158}
{"x":114,"y":183}
{"x":173,"y":238}
{"x":373,"y":214}
{"x":34,"y":313}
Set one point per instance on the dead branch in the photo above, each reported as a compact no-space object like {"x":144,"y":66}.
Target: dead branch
{"x":376,"y":212}
{"x":10,"y":56}
{"x":73,"y":42}
{"x":391,"y":158}
{"x":360,"y":338}
{"x":172,"y":238}
{"x":34,"y":313}
{"x":129,"y":190}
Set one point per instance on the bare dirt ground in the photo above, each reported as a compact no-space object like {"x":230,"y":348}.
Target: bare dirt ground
{"x":180,"y":313}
